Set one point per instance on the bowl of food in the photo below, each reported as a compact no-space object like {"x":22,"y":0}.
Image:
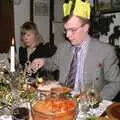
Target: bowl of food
{"x":113,"y":111}
{"x":54,"y":109}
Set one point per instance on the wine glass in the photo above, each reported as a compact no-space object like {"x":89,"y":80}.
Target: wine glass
{"x":93,"y":98}
{"x":83,"y":105}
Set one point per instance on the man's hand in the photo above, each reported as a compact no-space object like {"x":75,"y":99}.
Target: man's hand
{"x":37,"y":63}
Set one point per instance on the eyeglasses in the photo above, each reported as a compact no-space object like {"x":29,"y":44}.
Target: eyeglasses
{"x":72,"y":30}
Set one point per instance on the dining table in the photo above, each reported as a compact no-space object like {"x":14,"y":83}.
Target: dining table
{"x":100,"y":111}
{"x":96,"y":111}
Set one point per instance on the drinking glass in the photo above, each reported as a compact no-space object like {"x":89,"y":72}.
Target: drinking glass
{"x":20,"y":110}
{"x":83,"y":106}
{"x":93,"y":98}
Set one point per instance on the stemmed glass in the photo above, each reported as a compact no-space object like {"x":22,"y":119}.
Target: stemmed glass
{"x":89,"y":99}
{"x":93,"y":97}
{"x":83,"y":104}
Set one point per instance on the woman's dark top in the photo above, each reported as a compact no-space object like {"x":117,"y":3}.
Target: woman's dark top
{"x":41,"y":51}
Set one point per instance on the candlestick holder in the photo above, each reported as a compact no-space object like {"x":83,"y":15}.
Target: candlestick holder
{"x":11,"y":87}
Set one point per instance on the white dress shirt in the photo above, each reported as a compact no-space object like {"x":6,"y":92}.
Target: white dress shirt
{"x":79,"y":80}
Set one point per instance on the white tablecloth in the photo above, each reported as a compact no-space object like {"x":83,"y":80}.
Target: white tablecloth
{"x":5,"y":117}
{"x":97,"y":112}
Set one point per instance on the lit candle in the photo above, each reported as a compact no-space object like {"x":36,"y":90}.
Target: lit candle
{"x":12,"y":56}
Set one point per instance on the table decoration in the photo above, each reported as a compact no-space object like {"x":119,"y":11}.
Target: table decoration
{"x":11,"y":86}
{"x":12,"y":56}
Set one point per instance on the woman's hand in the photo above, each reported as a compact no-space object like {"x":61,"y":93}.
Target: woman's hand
{"x":37,"y":63}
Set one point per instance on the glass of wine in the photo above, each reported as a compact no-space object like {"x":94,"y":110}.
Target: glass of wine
{"x":93,"y":98}
{"x":20,"y":110}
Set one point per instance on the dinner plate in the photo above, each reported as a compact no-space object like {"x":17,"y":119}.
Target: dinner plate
{"x":113,"y":111}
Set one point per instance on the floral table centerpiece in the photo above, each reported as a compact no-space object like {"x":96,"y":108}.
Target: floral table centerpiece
{"x":12,"y":85}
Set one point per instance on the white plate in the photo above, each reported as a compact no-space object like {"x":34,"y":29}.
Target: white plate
{"x":5,"y":117}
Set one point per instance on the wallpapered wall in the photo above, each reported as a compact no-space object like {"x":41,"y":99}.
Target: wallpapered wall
{"x":112,"y":34}
{"x":108,"y":27}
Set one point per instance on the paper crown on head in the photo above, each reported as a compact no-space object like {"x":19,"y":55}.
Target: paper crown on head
{"x":77,"y":7}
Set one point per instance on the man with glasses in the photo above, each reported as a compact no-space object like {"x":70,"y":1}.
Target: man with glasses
{"x":94,"y":62}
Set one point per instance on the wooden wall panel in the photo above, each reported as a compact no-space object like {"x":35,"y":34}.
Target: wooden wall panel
{"x":6,"y":24}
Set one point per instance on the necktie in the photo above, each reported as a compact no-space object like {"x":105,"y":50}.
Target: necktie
{"x":73,"y":69}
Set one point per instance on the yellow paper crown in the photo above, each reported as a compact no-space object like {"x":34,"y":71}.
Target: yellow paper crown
{"x":81,"y":8}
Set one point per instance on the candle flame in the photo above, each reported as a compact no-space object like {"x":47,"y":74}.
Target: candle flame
{"x":13,"y":41}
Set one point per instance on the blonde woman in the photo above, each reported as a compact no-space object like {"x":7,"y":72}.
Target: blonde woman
{"x":32,"y":44}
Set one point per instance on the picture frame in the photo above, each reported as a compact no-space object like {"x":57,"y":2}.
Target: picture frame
{"x":107,"y":6}
{"x":39,"y":8}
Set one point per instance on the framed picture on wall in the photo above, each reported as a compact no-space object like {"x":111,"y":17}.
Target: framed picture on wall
{"x":39,"y":8}
{"x":107,"y":6}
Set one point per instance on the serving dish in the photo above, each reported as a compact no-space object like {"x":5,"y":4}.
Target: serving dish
{"x":113,"y":111}
{"x":54,"y":109}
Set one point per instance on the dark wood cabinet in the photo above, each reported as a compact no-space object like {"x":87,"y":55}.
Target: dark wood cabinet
{"x":6,"y":24}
